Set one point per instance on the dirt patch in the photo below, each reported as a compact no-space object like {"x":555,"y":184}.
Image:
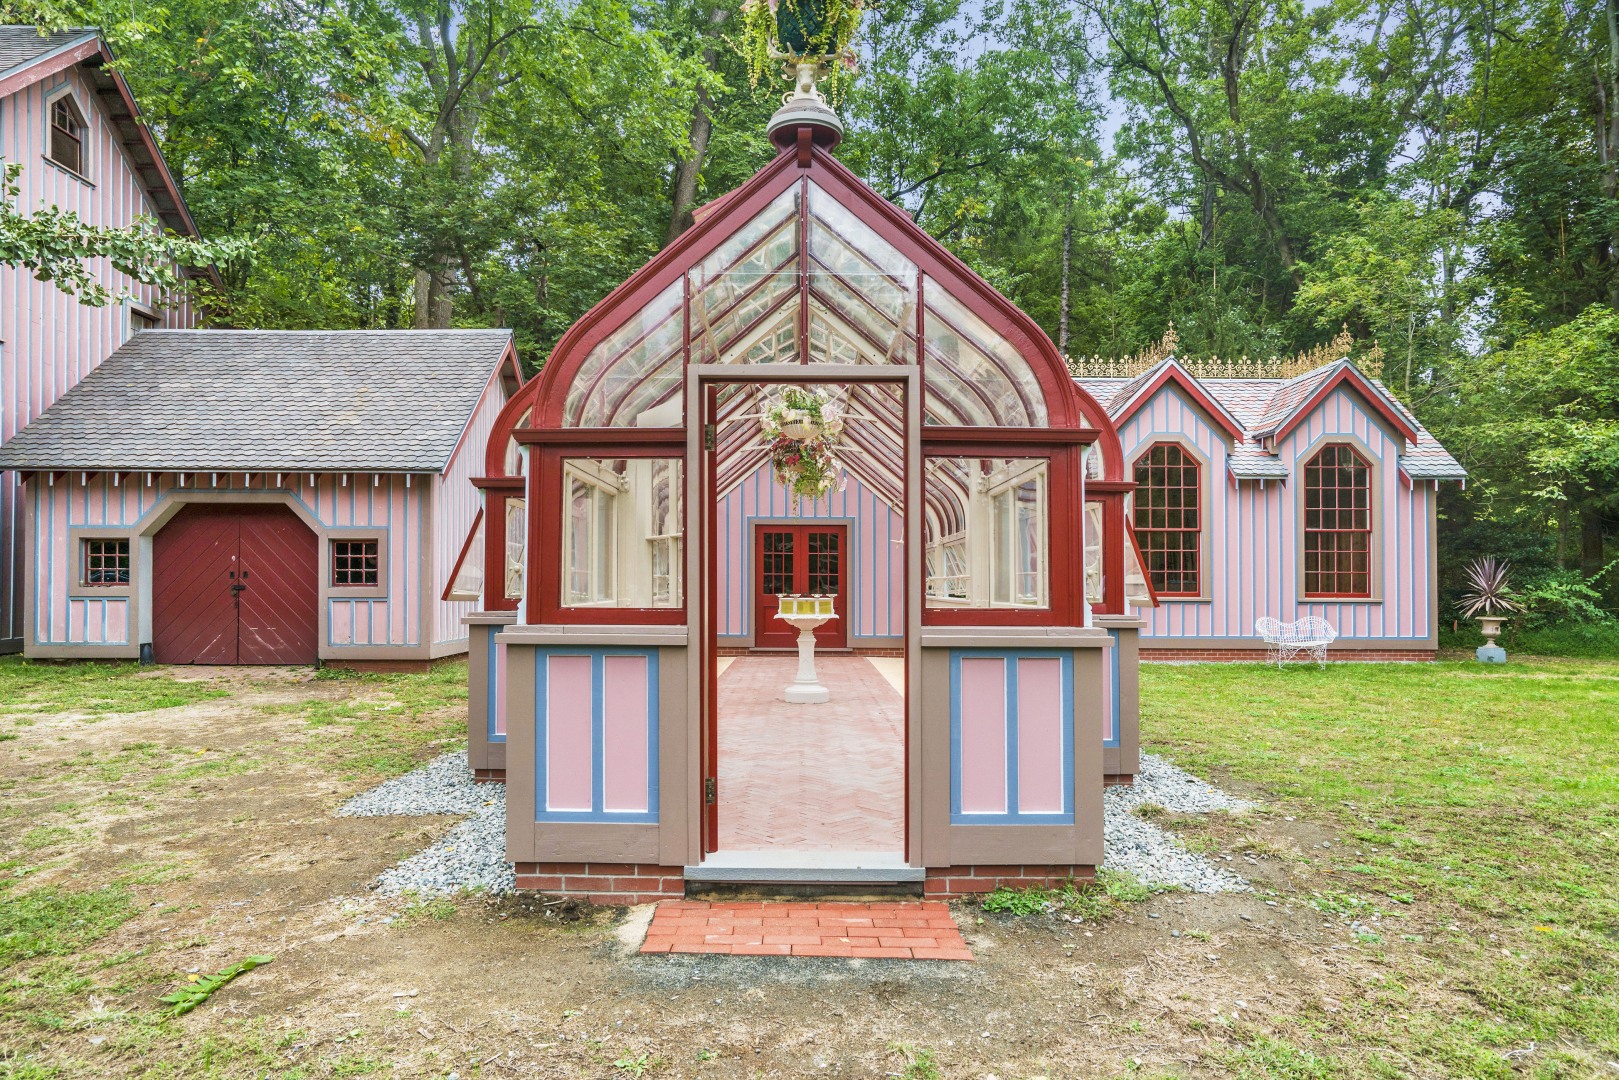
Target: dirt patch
{"x":219,"y":818}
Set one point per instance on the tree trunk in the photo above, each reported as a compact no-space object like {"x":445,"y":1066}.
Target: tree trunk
{"x":688,"y":169}
{"x":1607,"y":138}
{"x":1591,"y":530}
{"x":423,"y":319}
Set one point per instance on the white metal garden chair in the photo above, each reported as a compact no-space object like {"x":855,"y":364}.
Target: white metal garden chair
{"x":1286,"y":641}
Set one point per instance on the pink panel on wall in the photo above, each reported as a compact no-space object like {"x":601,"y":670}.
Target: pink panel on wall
{"x":118,"y":621}
{"x":624,"y":733}
{"x":1039,"y":735}
{"x":983,"y":735}
{"x":569,"y":768}
{"x":499,"y":676}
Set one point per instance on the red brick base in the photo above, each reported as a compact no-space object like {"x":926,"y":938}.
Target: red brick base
{"x":605,"y":883}
{"x":951,"y":882}
{"x":1122,"y":779}
{"x":1257,"y":656}
{"x":488,"y":776}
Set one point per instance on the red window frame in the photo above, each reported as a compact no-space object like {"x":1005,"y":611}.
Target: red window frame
{"x":1337,"y":524}
{"x":1169,"y":518}
{"x":343,"y":561}
{"x":96,"y":556}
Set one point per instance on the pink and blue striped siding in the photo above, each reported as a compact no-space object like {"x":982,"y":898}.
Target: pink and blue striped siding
{"x":389,"y":508}
{"x":48,"y":340}
{"x":1011,"y":737}
{"x":1252,"y":531}
{"x":876,"y":542}
{"x":596,"y":735}
{"x":455,"y":504}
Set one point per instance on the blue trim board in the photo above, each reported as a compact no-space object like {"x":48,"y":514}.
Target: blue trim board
{"x":491,"y":682}
{"x":598,"y":721}
{"x":1011,"y":658}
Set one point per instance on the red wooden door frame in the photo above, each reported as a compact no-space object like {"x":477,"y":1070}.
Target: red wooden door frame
{"x":833,"y":634}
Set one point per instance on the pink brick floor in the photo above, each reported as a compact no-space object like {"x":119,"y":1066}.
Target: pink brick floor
{"x":827,"y":777}
{"x":883,"y":931}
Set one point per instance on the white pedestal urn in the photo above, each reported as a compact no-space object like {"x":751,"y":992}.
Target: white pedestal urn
{"x":1490,"y":652}
{"x":805,"y":614}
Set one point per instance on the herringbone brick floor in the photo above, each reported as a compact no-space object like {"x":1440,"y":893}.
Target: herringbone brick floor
{"x":827,"y":777}
{"x":892,"y":931}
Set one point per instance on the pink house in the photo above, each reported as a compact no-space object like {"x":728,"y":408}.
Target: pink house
{"x":260,"y":497}
{"x":1314,"y":495}
{"x":72,"y":124}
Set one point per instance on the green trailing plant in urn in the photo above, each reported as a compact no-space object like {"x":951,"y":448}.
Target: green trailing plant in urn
{"x":798,"y":30}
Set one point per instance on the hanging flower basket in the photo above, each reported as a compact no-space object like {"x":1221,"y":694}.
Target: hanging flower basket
{"x":796,"y":30}
{"x":802,"y":429}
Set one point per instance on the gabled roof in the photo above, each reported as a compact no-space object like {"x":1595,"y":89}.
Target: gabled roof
{"x":1266,"y":410}
{"x":1140,"y":390}
{"x":26,"y":58}
{"x":267,"y":400}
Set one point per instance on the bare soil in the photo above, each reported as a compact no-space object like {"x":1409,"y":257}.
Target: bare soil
{"x":250,"y":859}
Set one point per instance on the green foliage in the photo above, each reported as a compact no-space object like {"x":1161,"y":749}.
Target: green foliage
{"x":35,"y":686}
{"x":199,"y":990}
{"x":57,"y":245}
{"x":1112,"y":890}
{"x":50,"y":922}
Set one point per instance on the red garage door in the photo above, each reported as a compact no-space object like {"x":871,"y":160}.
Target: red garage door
{"x":234,"y":585}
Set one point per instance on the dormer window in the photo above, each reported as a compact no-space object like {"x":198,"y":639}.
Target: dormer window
{"x":67,"y":135}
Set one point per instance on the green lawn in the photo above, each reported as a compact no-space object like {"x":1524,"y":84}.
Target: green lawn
{"x":1485,"y":797}
{"x":45,"y":687}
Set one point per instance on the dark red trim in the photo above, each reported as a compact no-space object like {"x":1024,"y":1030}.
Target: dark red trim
{"x":935,"y":434}
{"x":466,"y":546}
{"x":613,"y":439}
{"x":1178,"y":375}
{"x":511,"y":484}
{"x":1369,"y":393}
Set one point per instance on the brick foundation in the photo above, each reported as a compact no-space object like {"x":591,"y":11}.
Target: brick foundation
{"x":1122,"y":779}
{"x":605,"y":883}
{"x":488,"y":776}
{"x":1257,"y":656}
{"x":954,"y":882}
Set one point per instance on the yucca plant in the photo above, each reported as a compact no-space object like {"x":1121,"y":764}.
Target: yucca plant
{"x":1489,"y":593}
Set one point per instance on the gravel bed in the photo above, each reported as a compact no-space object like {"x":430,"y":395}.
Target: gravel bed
{"x":442,"y":786}
{"x":473,"y":854}
{"x":1155,"y":855}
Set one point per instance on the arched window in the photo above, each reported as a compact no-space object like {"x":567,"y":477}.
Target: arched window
{"x":1337,"y":524}
{"x":67,"y":135}
{"x":1169,"y":518}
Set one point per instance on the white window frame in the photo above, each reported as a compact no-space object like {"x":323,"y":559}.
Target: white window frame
{"x":603,"y":486}
{"x":66,"y":93}
{"x":1004,"y":486}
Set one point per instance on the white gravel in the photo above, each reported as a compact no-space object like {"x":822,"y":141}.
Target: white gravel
{"x":473,"y":854}
{"x":1155,"y":855}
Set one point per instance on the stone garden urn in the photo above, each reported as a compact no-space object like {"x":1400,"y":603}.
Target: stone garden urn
{"x":805,"y":614}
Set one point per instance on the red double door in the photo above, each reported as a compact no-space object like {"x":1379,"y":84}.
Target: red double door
{"x":801,"y":559}
{"x":235,"y":585}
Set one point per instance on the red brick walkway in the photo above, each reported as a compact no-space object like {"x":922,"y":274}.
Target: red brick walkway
{"x":893,"y":931}
{"x":828,"y":777}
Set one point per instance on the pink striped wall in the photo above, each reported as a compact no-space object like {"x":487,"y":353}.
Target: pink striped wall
{"x":876,"y":535}
{"x":455,"y":504}
{"x":1252,"y":531}
{"x":393,"y":509}
{"x":48,"y":340}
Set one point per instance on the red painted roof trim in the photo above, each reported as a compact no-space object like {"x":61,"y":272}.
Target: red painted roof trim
{"x":1373,"y":397}
{"x":1174,"y":373}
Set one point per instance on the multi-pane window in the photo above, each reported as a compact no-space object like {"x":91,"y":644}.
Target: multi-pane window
{"x":354,"y":563}
{"x":1337,"y":523}
{"x":622,"y":529}
{"x":67,"y":135}
{"x":987,"y":532}
{"x":1168,"y":518}
{"x":106,"y":562}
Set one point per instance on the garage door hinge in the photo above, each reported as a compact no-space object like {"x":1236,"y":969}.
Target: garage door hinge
{"x":710,"y":790}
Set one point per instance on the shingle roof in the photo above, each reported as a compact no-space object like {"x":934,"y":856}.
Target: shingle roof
{"x":250,"y":400}
{"x":1262,"y":405}
{"x":20,"y":44}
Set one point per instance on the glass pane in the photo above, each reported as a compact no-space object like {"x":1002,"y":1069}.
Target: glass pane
{"x":987,"y":532}
{"x":633,"y":377}
{"x":864,"y":279}
{"x":1136,"y":593}
{"x":468,"y":584}
{"x":516,"y":546}
{"x":974,"y":376}
{"x":740,"y":293}
{"x":1095,"y":583}
{"x":623,"y":532}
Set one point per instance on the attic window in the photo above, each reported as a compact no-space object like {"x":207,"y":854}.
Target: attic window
{"x":67,"y":135}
